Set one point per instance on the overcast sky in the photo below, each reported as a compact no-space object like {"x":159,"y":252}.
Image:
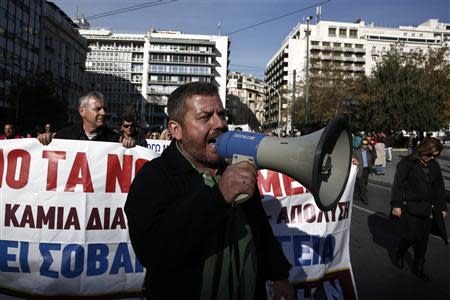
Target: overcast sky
{"x":251,"y":49}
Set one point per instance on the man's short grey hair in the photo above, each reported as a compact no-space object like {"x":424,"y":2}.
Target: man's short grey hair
{"x":85,"y":98}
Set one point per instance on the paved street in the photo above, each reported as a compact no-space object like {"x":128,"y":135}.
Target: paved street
{"x":373,"y":240}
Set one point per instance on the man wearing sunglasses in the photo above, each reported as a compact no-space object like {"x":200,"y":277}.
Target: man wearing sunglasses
{"x":364,"y":157}
{"x":128,"y":130}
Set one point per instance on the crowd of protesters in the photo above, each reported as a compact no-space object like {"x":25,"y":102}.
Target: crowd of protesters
{"x":92,"y":126}
{"x":127,"y":128}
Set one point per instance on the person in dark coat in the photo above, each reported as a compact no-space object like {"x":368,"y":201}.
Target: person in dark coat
{"x":364,"y":156}
{"x":186,"y":228}
{"x":92,"y":109}
{"x":418,"y":200}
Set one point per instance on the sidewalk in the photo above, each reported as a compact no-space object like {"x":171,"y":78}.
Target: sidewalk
{"x":388,"y":178}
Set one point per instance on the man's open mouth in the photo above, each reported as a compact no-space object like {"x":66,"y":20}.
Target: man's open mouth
{"x":212,"y":141}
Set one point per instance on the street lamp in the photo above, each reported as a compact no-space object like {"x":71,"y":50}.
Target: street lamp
{"x":279,"y":105}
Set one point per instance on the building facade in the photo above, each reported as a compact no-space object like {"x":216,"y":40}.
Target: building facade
{"x":36,"y":36}
{"x":20,"y":27}
{"x":137,"y":72}
{"x":246,"y":100}
{"x":63,"y":54}
{"x":354,"y":48}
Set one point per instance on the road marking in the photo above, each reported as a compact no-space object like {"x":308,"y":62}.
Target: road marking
{"x":383,"y":216}
{"x":368,"y":211}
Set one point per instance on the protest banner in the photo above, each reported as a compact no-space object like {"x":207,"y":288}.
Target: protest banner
{"x":157,"y":145}
{"x":315,"y":242}
{"x":63,"y":231}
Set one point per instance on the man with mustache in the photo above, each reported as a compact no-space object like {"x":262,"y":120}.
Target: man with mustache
{"x":185,"y":225}
{"x":93,"y":127}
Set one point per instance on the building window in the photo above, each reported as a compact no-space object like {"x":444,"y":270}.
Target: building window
{"x":342,"y":32}
{"x":353,"y":33}
{"x":331,"y":31}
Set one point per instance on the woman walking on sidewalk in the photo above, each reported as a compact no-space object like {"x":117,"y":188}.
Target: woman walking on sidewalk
{"x":418,"y":200}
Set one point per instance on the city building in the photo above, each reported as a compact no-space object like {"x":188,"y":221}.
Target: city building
{"x":20,"y":25}
{"x":36,"y":36}
{"x":246,"y":100}
{"x":351,"y":47}
{"x":137,"y":72}
{"x":63,"y":54}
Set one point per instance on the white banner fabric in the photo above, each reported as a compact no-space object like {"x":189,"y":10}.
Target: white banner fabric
{"x":157,"y":145}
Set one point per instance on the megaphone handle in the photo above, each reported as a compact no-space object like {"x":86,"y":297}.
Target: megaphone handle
{"x":238,"y":158}
{"x":241,"y":198}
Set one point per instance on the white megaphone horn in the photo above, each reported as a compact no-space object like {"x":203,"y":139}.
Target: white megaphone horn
{"x":320,"y":161}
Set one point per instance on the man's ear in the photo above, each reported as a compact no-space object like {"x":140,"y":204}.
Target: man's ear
{"x":176,"y":130}
{"x":81,"y":111}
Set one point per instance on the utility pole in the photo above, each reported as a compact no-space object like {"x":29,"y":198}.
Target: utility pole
{"x":308,"y":19}
{"x":294,"y":104}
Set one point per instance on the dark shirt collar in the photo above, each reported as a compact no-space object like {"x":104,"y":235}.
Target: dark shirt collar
{"x":98,"y":131}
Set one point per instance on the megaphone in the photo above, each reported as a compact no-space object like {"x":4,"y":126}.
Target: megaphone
{"x":320,"y":161}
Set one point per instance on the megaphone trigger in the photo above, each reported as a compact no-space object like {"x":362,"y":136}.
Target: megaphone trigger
{"x":238,"y":158}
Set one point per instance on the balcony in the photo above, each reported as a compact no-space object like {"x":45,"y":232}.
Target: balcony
{"x":359,"y":69}
{"x":181,"y":62}
{"x":157,"y":50}
{"x":348,"y":49}
{"x":172,"y":82}
{"x":153,"y":91}
{"x":174,"y":72}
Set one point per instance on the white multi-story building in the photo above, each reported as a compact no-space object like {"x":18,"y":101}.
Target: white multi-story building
{"x":352,"y":47}
{"x":246,"y":99}
{"x":139,"y":71}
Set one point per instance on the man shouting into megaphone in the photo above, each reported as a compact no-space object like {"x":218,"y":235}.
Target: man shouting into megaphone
{"x":186,"y":228}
